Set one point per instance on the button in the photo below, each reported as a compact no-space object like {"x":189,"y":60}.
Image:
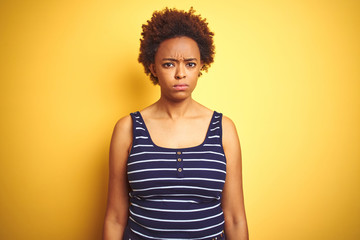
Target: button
{"x":178,"y":153}
{"x":179,"y":159}
{"x":179,"y":169}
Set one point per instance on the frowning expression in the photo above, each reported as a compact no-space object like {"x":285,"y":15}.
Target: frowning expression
{"x":177,"y":67}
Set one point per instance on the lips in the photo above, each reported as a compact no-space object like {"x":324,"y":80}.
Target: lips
{"x":181,"y":87}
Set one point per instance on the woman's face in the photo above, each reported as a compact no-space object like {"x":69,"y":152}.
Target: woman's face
{"x":177,"y":67}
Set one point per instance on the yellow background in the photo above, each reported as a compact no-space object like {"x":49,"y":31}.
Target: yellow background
{"x":286,"y":72}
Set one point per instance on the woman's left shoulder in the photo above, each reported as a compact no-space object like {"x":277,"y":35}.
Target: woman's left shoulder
{"x":228,"y":124}
{"x":230,"y":137}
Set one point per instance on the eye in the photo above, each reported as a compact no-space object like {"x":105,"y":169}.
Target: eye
{"x":191,"y":64}
{"x":168,"y":65}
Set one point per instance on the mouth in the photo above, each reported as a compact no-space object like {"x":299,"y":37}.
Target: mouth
{"x":181,"y":87}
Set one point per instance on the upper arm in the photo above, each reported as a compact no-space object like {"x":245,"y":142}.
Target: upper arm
{"x":117,"y":207}
{"x":232,"y":197}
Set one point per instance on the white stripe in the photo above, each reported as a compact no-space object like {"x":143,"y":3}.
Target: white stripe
{"x":203,"y":160}
{"x":175,"y":210}
{"x":166,"y":187}
{"x":177,"y":179}
{"x":204,"y":169}
{"x":200,"y":238}
{"x":217,"y":116}
{"x":214,"y":128}
{"x":212,"y":145}
{"x":142,"y":137}
{"x":140,"y":153}
{"x":152,"y":160}
{"x":137,"y":117}
{"x":214,"y":136}
{"x":168,"y":200}
{"x":153,"y":169}
{"x":178,"y":230}
{"x":203,"y":152}
{"x":140,"y":128}
{"x":139,"y":122}
{"x":143,"y":145}
{"x":180,"y":195}
{"x":216,"y":122}
{"x":170,"y":220}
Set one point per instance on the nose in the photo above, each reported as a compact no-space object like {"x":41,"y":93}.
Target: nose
{"x":180,"y":72}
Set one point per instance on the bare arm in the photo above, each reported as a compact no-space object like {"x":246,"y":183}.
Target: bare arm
{"x":118,"y":202}
{"x":232,"y":197}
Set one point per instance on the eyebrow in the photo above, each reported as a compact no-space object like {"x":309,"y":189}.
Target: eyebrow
{"x":175,"y":60}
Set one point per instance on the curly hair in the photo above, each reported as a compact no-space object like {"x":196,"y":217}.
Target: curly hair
{"x":170,"y":23}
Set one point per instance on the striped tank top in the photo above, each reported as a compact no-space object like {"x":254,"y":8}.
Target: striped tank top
{"x":176,"y":193}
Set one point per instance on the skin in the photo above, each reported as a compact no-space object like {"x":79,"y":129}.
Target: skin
{"x":170,"y":121}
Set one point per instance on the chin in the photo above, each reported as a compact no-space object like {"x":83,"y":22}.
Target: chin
{"x":180,"y":97}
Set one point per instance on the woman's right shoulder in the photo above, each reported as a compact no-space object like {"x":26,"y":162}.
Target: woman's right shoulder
{"x":123,"y":130}
{"x":124,"y":123}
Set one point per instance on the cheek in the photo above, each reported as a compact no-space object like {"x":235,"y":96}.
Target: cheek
{"x":164,"y":78}
{"x":165,"y":74}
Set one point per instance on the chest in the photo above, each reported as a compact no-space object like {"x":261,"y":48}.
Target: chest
{"x":183,"y":169}
{"x":177,"y":133}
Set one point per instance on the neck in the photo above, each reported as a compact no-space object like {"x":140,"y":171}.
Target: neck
{"x":173,"y":109}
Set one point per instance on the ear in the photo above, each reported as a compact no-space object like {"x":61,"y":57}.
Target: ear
{"x":152,"y":69}
{"x":201,"y":65}
{"x":200,"y":68}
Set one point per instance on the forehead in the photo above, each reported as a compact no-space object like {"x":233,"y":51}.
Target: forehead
{"x":178,"y":47}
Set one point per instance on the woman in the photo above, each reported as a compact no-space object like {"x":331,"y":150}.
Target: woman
{"x":175,"y":166}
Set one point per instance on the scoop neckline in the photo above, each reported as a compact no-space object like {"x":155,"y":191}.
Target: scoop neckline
{"x":178,"y":149}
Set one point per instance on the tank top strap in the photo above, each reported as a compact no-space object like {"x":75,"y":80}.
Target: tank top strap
{"x":214,"y":134}
{"x":140,"y":134}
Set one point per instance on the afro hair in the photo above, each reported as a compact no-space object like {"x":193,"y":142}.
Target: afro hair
{"x":170,"y":23}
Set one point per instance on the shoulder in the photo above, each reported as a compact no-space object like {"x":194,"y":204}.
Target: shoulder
{"x":122,"y":133}
{"x":228,"y":125}
{"x":123,"y":125}
{"x":230,"y":136}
